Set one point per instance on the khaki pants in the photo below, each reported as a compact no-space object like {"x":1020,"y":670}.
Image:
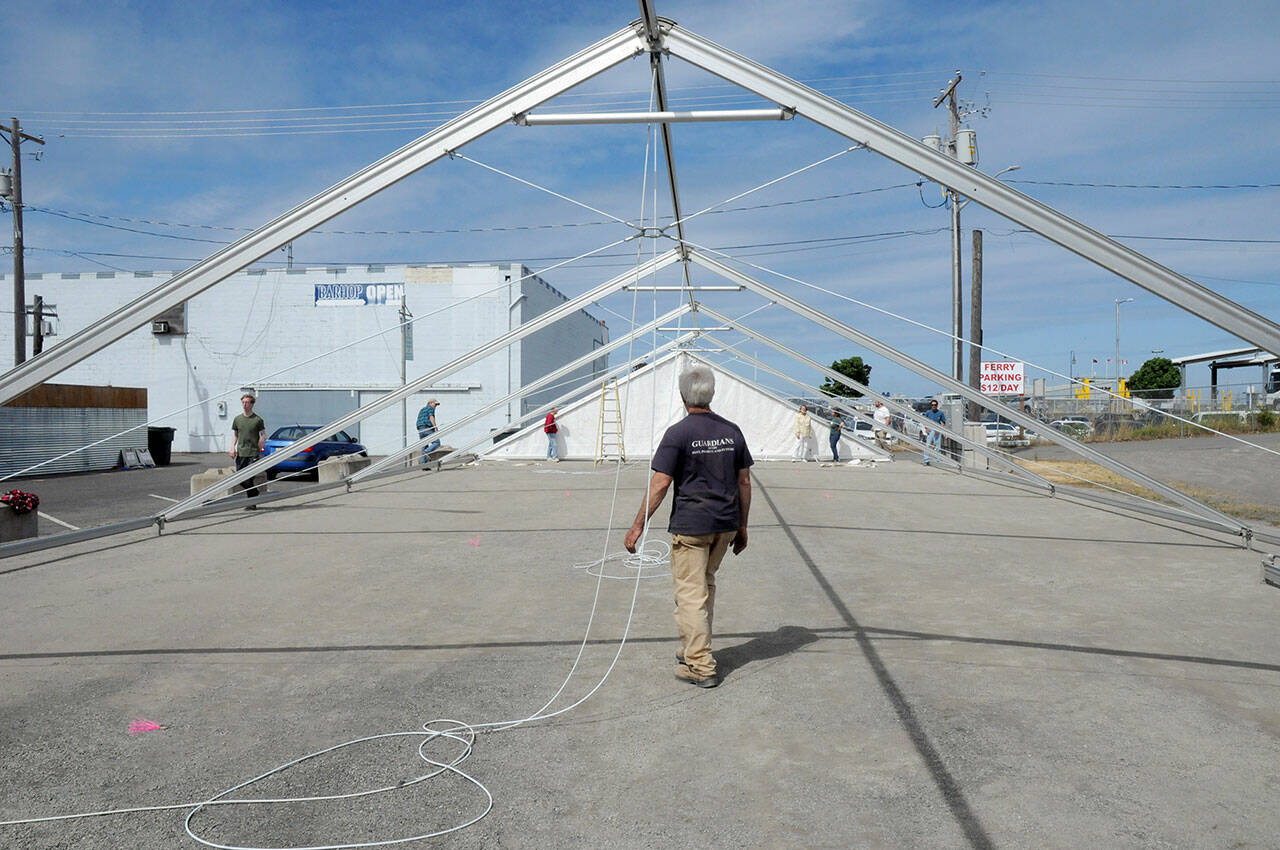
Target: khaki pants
{"x":694,"y":561}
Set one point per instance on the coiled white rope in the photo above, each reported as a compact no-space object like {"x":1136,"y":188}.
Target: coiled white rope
{"x":652,"y":560}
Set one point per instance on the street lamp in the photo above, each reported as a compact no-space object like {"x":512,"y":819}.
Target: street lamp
{"x":1119,"y":301}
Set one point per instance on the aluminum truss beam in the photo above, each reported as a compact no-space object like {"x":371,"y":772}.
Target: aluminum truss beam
{"x":576,"y":392}
{"x":971,"y":183}
{"x":532,"y":326}
{"x":651,"y":29}
{"x":552,"y":119}
{"x":863,"y":388}
{"x":924,"y":370}
{"x":471,"y":125}
{"x":549,"y":378}
{"x":836,"y":401}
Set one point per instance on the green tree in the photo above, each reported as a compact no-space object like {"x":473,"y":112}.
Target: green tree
{"x":1157,"y":378}
{"x":855,"y":369}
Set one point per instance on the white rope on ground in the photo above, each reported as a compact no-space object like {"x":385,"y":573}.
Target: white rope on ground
{"x":457,"y":731}
{"x":949,"y":335}
{"x":320,"y":356}
{"x":651,"y":560}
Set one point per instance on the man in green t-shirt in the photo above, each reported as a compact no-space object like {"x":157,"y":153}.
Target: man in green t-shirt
{"x":250,"y":434}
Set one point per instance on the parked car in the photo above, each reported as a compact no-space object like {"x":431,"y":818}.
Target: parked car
{"x":862,"y":429}
{"x":340,"y":443}
{"x":1078,"y":428}
{"x":1005,"y":434}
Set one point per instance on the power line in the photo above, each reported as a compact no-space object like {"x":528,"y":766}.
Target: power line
{"x":102,"y":220}
{"x":1150,"y":185}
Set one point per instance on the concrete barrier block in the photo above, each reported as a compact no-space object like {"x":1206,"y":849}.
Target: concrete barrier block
{"x":16,"y":526}
{"x":209,"y":477}
{"x":977,"y":433}
{"x":338,"y":468}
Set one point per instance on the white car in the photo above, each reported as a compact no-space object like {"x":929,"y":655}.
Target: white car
{"x":1004,"y":434}
{"x":863,"y":430}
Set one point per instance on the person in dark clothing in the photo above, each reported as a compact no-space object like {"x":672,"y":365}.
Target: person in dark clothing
{"x":706,"y":457}
{"x":250,"y":434}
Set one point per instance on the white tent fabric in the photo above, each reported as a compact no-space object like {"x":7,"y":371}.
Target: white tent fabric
{"x":650,"y":399}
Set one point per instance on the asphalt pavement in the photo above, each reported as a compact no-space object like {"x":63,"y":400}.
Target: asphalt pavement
{"x":911,"y":658}
{"x":89,"y":499}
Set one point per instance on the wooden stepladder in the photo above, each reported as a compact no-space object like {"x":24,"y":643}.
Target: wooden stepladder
{"x":609,"y":444}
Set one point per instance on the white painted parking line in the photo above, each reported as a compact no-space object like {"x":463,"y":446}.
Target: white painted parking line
{"x":57,"y":521}
{"x":157,"y":496}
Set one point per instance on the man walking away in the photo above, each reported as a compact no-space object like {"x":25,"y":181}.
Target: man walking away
{"x":837,"y":425}
{"x":706,"y":457}
{"x":249,"y":435}
{"x":550,"y":428}
{"x":882,"y":425}
{"x":933,"y":438}
{"x":427,"y":426}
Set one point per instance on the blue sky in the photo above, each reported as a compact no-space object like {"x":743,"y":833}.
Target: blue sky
{"x":227,"y":114}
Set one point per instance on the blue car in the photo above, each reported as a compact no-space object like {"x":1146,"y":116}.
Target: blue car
{"x":306,"y":460}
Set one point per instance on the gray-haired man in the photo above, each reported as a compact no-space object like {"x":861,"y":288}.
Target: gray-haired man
{"x":706,"y":457}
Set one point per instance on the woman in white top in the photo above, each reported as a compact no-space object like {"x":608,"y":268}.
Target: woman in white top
{"x":804,"y":434}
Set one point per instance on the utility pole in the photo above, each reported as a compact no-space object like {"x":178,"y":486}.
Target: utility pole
{"x":975,"y":323}
{"x":16,"y":138}
{"x":957,"y":331}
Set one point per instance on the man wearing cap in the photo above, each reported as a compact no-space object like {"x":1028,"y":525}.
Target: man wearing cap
{"x":427,"y":427}
{"x":705,"y":456}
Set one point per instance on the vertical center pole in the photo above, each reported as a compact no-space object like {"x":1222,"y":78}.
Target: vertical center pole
{"x":19,"y":279}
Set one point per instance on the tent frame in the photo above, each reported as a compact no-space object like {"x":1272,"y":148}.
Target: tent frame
{"x":661,"y":37}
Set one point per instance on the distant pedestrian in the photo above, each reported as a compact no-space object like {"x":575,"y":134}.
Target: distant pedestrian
{"x":249,"y":434}
{"x":837,"y":425}
{"x":550,"y":428}
{"x":933,"y":436}
{"x":427,"y":427}
{"x":803,"y":430}
{"x":705,"y":456}
{"x":882,"y":425}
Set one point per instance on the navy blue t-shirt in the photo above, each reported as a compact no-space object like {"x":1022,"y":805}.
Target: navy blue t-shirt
{"x":703,"y":454}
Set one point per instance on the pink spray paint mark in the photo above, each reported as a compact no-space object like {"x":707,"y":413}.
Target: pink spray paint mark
{"x":141,"y":725}
{"x":828,"y":495}
{"x":566,"y":492}
{"x":474,"y":541}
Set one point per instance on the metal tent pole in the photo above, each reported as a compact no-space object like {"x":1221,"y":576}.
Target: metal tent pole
{"x":964,"y":390}
{"x":580,"y":390}
{"x":973,"y":184}
{"x":889,"y":403}
{"x":533,"y":325}
{"x":620,"y":46}
{"x":534,"y":386}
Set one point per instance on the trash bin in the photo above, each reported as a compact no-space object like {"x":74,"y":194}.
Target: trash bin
{"x":160,"y":444}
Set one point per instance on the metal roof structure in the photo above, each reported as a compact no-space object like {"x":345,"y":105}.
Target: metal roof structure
{"x":658,"y":39}
{"x":1239,"y":356}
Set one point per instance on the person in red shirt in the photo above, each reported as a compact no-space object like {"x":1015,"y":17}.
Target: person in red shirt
{"x":550,"y":427}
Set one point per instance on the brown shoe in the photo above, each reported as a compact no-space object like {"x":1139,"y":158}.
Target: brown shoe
{"x":687,"y":675}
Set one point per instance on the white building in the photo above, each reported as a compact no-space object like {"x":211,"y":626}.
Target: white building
{"x":248,"y":330}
